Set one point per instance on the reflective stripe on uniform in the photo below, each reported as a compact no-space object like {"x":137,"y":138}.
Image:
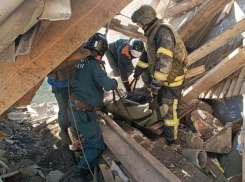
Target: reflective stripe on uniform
{"x":175,"y":105}
{"x":174,"y":84}
{"x":178,"y":78}
{"x":142,"y":64}
{"x":167,"y":52}
{"x":160,"y":76}
{"x":171,"y":122}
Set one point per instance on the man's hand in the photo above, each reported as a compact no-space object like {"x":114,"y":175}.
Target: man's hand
{"x":153,"y":101}
{"x":152,"y":94}
{"x":127,"y":86}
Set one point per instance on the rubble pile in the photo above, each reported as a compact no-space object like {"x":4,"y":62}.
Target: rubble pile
{"x":31,"y":149}
{"x":206,"y":139}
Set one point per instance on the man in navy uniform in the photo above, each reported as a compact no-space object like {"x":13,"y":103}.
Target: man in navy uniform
{"x":120,"y":55}
{"x":86,"y":95}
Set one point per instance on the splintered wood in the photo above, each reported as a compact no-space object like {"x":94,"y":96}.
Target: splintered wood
{"x":229,"y":65}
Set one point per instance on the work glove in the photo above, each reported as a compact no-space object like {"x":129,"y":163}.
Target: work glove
{"x":136,"y":76}
{"x":153,"y":101}
{"x":126,"y":86}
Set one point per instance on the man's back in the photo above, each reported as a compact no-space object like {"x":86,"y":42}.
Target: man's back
{"x":89,"y":80}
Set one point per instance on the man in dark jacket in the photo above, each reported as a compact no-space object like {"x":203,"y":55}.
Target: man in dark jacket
{"x":86,"y":95}
{"x":120,"y":55}
{"x":164,"y":65}
{"x":59,"y":80}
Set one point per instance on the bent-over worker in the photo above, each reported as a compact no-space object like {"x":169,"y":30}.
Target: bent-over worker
{"x":120,"y":55}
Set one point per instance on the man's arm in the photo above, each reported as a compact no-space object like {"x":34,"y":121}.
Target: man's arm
{"x":122,"y":67}
{"x":102,"y":79}
{"x":142,"y":64}
{"x":165,"y":47}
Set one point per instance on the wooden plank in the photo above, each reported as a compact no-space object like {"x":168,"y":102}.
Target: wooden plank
{"x":205,"y":14}
{"x":218,"y":90}
{"x":240,"y":81}
{"x":195,"y":71}
{"x":155,"y":3}
{"x":126,"y":30}
{"x":43,"y":27}
{"x":218,"y":41}
{"x":27,"y":98}
{"x":61,"y":39}
{"x":46,"y":123}
{"x":106,"y":172}
{"x":182,"y":7}
{"x":233,"y":84}
{"x":229,"y":65}
{"x":225,"y":88}
{"x":242,"y":89}
{"x":129,"y":152}
{"x":211,"y":91}
{"x":2,"y":135}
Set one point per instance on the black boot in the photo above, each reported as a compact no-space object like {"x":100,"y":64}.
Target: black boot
{"x":168,"y":134}
{"x":65,"y":137}
{"x":79,"y":175}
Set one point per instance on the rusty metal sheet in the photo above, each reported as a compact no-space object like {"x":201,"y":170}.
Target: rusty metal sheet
{"x":56,"y":10}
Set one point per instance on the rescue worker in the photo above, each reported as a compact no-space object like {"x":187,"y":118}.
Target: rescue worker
{"x":58,"y":79}
{"x":120,"y":55}
{"x":163,"y":64}
{"x":86,"y":95}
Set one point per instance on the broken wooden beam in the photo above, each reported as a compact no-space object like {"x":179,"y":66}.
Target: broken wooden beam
{"x":204,"y":15}
{"x":129,"y":31}
{"x":60,"y":40}
{"x":155,"y":3}
{"x":195,"y":71}
{"x":46,"y":123}
{"x":229,"y":65}
{"x":181,"y":7}
{"x":130,"y":153}
{"x":216,"y":42}
{"x":27,"y":98}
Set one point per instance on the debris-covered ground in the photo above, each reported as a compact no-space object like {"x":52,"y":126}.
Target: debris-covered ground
{"x":31,"y":149}
{"x":199,"y":130}
{"x":35,"y":152}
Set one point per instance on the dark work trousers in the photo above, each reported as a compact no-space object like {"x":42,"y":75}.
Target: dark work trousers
{"x":113,"y":62}
{"x":93,"y":142}
{"x":171,"y":97}
{"x":61,"y":95}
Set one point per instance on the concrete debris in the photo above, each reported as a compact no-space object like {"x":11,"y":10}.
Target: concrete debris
{"x":28,"y":171}
{"x":205,"y":124}
{"x":33,"y":113}
{"x":2,"y":152}
{"x":54,"y":176}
